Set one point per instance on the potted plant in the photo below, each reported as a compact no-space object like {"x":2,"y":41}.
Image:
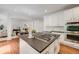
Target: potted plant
{"x":33,"y":31}
{"x":1,"y":27}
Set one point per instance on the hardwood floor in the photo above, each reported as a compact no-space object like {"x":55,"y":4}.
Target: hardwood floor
{"x":68,"y":50}
{"x":12,"y":47}
{"x":9,"y":46}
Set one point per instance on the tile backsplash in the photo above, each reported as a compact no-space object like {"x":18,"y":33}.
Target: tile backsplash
{"x":54,"y":28}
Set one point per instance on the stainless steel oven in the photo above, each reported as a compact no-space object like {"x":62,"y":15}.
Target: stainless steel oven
{"x":73,"y":31}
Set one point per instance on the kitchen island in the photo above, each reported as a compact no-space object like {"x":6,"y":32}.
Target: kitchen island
{"x":38,"y":46}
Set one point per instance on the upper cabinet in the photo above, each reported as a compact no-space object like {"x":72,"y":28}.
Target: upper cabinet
{"x":56,"y":19}
{"x":68,"y":14}
{"x":47,"y":20}
{"x":76,"y":14}
{"x":61,"y":18}
{"x":72,"y":15}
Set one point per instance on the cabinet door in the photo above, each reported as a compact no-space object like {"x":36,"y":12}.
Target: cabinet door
{"x":54,"y":47}
{"x":61,"y":21}
{"x":50,"y":20}
{"x":54,"y":20}
{"x":58,"y":19}
{"x":75,"y":14}
{"x":72,"y":15}
{"x":47,"y":20}
{"x":68,"y":15}
{"x":25,"y":48}
{"x":46,"y":51}
{"x":51,"y":48}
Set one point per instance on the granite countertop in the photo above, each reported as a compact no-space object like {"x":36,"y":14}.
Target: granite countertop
{"x":38,"y":45}
{"x":58,"y":31}
{"x":62,"y":31}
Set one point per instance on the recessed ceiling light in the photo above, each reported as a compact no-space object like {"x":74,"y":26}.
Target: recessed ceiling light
{"x":29,"y":13}
{"x":15,"y":10}
{"x":45,"y":11}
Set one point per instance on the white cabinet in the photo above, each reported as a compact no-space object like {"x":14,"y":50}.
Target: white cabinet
{"x":50,"y":20}
{"x":76,"y":14}
{"x":72,"y":15}
{"x":56,"y":19}
{"x":68,"y":15}
{"x":46,"y":51}
{"x":47,"y":20}
{"x":52,"y":48}
{"x":25,"y":48}
{"x":60,"y":19}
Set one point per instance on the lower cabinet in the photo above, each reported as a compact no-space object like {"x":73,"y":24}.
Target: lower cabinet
{"x":53,"y":48}
{"x":27,"y":49}
{"x":46,"y":51}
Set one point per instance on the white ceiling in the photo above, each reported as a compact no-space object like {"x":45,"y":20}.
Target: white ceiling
{"x":32,"y":10}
